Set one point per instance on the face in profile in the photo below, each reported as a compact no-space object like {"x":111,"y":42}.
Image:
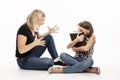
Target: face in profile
{"x":40,"y":21}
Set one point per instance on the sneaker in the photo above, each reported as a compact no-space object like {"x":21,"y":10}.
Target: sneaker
{"x":60,"y":63}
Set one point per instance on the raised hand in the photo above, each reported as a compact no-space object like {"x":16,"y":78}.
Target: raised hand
{"x":54,"y":29}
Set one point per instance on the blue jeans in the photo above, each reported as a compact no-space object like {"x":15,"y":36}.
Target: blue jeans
{"x":76,"y":64}
{"x":34,"y":62}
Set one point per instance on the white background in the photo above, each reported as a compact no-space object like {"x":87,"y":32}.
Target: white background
{"x":103,"y":14}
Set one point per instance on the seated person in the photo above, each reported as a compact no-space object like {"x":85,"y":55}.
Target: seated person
{"x":82,"y":61}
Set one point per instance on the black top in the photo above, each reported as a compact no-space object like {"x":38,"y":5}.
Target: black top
{"x":24,"y":30}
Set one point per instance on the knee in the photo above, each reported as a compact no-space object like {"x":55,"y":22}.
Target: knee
{"x":90,"y":61}
{"x":63,"y":55}
{"x":48,"y":36}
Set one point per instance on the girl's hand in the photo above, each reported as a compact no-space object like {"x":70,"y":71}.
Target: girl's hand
{"x":54,"y":29}
{"x":80,"y":38}
{"x":73,"y":49}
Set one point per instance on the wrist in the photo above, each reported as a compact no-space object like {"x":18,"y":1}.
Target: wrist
{"x":34,"y":44}
{"x":77,"y":40}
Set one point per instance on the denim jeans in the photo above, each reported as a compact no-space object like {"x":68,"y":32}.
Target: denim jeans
{"x":34,"y":62}
{"x":76,"y":64}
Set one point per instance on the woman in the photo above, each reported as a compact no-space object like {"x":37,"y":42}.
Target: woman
{"x":82,"y":62}
{"x":30,"y":45}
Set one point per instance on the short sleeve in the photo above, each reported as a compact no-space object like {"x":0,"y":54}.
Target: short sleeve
{"x":23,"y":30}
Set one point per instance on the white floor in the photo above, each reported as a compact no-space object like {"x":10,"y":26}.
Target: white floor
{"x":14,"y":73}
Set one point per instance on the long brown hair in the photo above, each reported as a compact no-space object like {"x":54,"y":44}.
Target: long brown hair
{"x":87,"y":25}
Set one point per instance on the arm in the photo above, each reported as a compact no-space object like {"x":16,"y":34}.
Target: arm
{"x":22,"y":47}
{"x":72,"y":43}
{"x":78,"y":39}
{"x":42,"y":35}
{"x":87,"y":46}
{"x":51,"y":30}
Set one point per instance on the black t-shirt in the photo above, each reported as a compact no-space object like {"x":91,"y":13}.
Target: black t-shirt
{"x":24,"y":30}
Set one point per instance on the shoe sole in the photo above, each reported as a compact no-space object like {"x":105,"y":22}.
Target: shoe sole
{"x":98,"y":71}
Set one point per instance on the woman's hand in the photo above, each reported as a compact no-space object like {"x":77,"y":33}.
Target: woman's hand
{"x":39,"y":42}
{"x":53,"y":30}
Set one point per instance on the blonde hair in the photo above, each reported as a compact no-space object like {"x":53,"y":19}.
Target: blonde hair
{"x":33,"y":17}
